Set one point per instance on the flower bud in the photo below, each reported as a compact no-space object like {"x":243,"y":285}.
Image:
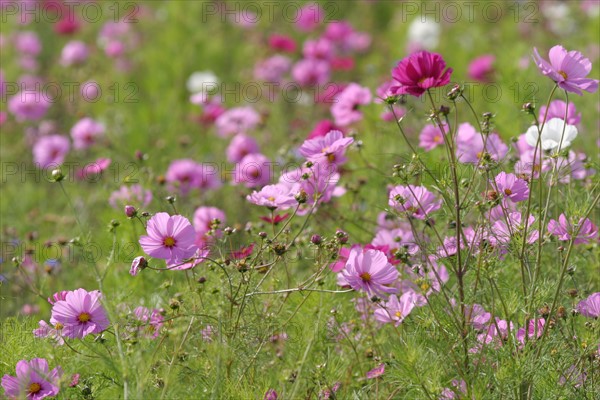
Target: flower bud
{"x":130,"y":211}
{"x":316,"y":239}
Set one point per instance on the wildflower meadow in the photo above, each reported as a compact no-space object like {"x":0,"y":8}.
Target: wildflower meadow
{"x":365,"y":199}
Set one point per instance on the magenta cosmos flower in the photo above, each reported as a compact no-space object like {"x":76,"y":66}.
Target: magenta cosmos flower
{"x":419,"y":72}
{"x":346,"y":108}
{"x":241,"y":145}
{"x":170,"y":238}
{"x":253,"y":170}
{"x":237,"y":120}
{"x":311,"y":72}
{"x":369,"y":270}
{"x":50,"y":151}
{"x":28,"y":105}
{"x":395,"y":310}
{"x":590,"y":307}
{"x":34,"y":380}
{"x":86,"y":133}
{"x":81,"y":313}
{"x":568,"y":69}
{"x":512,"y":187}
{"x":481,"y":69}
{"x":564,"y":229}
{"x":329,"y":149}
{"x":277,"y":196}
{"x":75,"y":52}
{"x":417,"y":201}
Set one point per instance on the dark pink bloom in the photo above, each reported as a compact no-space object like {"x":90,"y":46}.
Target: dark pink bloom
{"x":170,"y":238}
{"x":50,"y":151}
{"x":565,"y":229}
{"x":322,"y":128}
{"x":559,"y":109}
{"x":510,"y":186}
{"x":342,"y":63}
{"x":28,"y":105}
{"x":243,"y":252}
{"x":481,"y":68}
{"x":369,"y":270}
{"x":282,"y":43}
{"x":311,"y":72}
{"x":377,"y":371}
{"x":309,"y":17}
{"x":67,"y":25}
{"x":431,"y":136}
{"x":253,"y":170}
{"x":275,"y":220}
{"x":329,"y":149}
{"x":590,"y":307}
{"x":419,"y":72}
{"x":534,"y":330}
{"x":237,"y":120}
{"x":271,"y":394}
{"x":568,"y":69}
{"x":396,"y":310}
{"x":416,"y":201}
{"x":86,"y":132}
{"x":34,"y":380}
{"x":345,"y":110}
{"x":240,"y":146}
{"x":81,"y":313}
{"x":274,"y":197}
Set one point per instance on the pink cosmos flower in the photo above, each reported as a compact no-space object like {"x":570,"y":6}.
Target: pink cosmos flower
{"x":481,"y":69}
{"x":309,"y":17}
{"x":237,"y":120}
{"x":565,"y":230}
{"x":28,"y":43}
{"x":253,"y":170}
{"x":81,"y":313}
{"x":534,"y":330}
{"x":345,"y":110}
{"x":139,"y":263}
{"x":86,"y":132}
{"x":273,"y":68}
{"x":185,"y":175}
{"x":568,"y":69}
{"x":471,"y":146}
{"x":329,"y":149}
{"x":311,"y":72}
{"x":93,"y":171}
{"x":505,"y":229}
{"x":431,"y":136}
{"x":28,"y":105}
{"x":282,"y":43}
{"x":512,"y":187}
{"x":53,"y":331}
{"x":74,"y":52}
{"x":126,"y":195}
{"x":320,"y":48}
{"x":378,"y":370}
{"x":271,"y":394}
{"x":420,"y":71}
{"x":396,"y":310}
{"x":322,"y":128}
{"x":558,"y":109}
{"x":416,"y":201}
{"x":273,"y":197}
{"x":204,"y":218}
{"x":170,"y":238}
{"x":590,"y":307}
{"x":396,"y":240}
{"x":149,"y":322}
{"x":50,"y":151}
{"x":34,"y":380}
{"x":369,"y":270}
{"x":320,"y":184}
{"x":240,"y":146}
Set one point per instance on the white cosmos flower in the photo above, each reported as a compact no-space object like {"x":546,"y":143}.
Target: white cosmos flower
{"x":201,"y":81}
{"x":425,"y":33}
{"x":552,"y":134}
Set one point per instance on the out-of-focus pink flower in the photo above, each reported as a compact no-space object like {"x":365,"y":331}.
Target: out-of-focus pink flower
{"x":311,"y":72}
{"x":481,"y":69}
{"x":471,"y":145}
{"x":253,"y":170}
{"x":86,"y":132}
{"x":309,"y":17}
{"x":241,"y":145}
{"x":322,"y":128}
{"x":346,"y":110}
{"x":237,"y":120}
{"x":431,"y":136}
{"x":50,"y":151}
{"x":28,"y":105}
{"x":272,"y":69}
{"x":559,"y":109}
{"x":282,"y":43}
{"x":75,"y":52}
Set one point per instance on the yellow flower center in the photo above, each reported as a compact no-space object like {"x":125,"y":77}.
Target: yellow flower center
{"x":169,"y":241}
{"x":84,"y":317}
{"x":366,"y":277}
{"x":437,"y":139}
{"x":34,"y":388}
{"x":508,"y":192}
{"x":425,"y":286}
{"x":271,"y":198}
{"x":58,"y":326}
{"x":398,"y":314}
{"x":331,"y":157}
{"x":563,"y":74}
